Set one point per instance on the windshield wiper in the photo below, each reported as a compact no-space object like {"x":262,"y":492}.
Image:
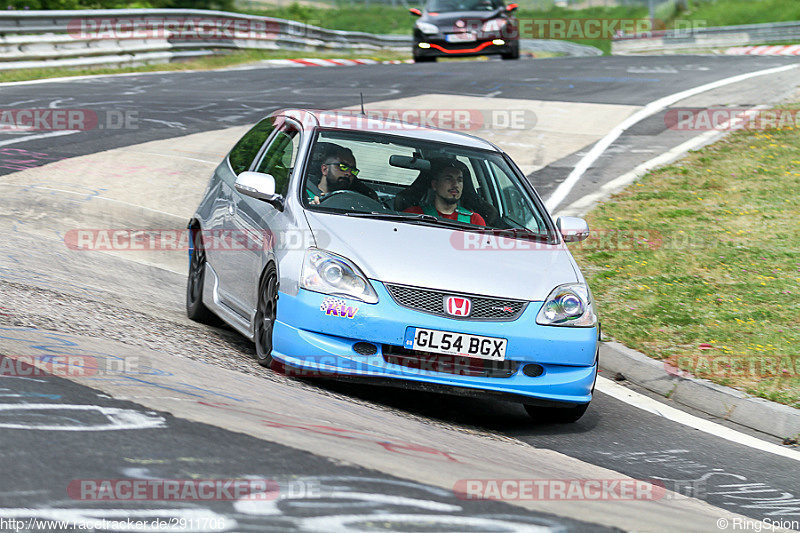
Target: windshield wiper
{"x":414,"y":217}
{"x":388,"y":216}
{"x":522,"y":233}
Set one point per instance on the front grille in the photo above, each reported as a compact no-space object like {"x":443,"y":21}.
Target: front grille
{"x":432,"y":301}
{"x":448,"y":364}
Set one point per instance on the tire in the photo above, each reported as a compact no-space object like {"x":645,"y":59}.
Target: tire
{"x":424,"y":59}
{"x":514,"y":54}
{"x":556,"y":415}
{"x":266,"y":311}
{"x":195,"y":308}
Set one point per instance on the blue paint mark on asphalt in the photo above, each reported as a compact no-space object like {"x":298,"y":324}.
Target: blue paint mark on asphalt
{"x":234,"y":398}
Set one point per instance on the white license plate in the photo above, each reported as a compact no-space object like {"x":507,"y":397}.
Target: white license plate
{"x":460,"y":38}
{"x":446,"y":342}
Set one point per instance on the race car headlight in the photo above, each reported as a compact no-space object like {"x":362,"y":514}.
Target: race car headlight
{"x":332,"y":274}
{"x":493,"y":25}
{"x":568,"y":305}
{"x":427,"y":28}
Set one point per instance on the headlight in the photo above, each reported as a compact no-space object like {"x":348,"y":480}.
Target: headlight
{"x":332,"y":274}
{"x":493,"y":25}
{"x":568,"y":305}
{"x":427,"y":28}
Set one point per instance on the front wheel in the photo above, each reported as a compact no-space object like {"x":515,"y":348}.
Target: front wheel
{"x":195,"y":308}
{"x":266,"y":311}
{"x":556,"y":415}
{"x":513,"y":54}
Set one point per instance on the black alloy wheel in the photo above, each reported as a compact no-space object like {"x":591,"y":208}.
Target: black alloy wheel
{"x":195,"y":308}
{"x":266,"y":311}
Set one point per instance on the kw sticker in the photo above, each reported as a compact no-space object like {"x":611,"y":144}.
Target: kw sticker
{"x":337,"y":308}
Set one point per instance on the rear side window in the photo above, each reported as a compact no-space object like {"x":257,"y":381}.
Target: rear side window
{"x":248,"y":146}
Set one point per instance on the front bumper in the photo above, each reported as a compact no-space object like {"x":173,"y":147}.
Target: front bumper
{"x":309,"y":341}
{"x":441,"y":48}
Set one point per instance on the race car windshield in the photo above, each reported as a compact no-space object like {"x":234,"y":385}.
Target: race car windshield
{"x":392,"y":177}
{"x":445,"y":6}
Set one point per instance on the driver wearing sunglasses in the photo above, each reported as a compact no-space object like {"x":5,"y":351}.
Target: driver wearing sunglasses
{"x":338,"y":173}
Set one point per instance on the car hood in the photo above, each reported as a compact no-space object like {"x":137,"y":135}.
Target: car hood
{"x":447,"y":21}
{"x":444,"y":258}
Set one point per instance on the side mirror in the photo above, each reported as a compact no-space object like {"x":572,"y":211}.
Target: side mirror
{"x":512,"y":7}
{"x":573,"y":229}
{"x":416,"y":12}
{"x":259,"y":186}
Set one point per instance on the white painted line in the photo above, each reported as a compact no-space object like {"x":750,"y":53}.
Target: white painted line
{"x":624,"y":394}
{"x":650,"y":109}
{"x":581,"y":206}
{"x":117,"y":419}
{"x":38,"y":136}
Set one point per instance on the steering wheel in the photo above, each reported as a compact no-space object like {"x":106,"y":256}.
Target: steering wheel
{"x":326,"y":197}
{"x":353,"y":201}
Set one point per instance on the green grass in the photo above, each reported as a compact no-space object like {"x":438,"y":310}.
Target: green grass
{"x":735,"y":12}
{"x":371,"y":19}
{"x":238,"y":57}
{"x":698,"y":264}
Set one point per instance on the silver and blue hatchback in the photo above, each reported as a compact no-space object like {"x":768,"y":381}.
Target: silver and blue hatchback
{"x":350,"y":247}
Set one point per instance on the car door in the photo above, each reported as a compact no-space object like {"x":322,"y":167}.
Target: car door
{"x":220,"y":249}
{"x":259,"y":223}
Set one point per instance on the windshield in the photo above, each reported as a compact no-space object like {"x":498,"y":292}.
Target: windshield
{"x":444,"y":6}
{"x":391,"y":177}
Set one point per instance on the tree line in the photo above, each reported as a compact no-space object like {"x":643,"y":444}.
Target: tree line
{"x":116,"y":4}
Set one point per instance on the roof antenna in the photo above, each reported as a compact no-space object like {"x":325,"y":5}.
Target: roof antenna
{"x":362,"y":104}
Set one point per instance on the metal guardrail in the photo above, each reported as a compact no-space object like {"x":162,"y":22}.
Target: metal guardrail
{"x":697,"y":39}
{"x":562,"y":47}
{"x":35,"y":39}
{"x":38,"y":39}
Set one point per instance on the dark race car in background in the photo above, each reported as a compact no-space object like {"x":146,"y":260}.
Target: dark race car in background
{"x":452,"y":28}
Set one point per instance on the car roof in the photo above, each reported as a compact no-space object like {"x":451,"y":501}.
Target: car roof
{"x":352,"y":120}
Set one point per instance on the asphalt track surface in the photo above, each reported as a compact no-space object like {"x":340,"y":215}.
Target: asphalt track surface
{"x":37,"y":465}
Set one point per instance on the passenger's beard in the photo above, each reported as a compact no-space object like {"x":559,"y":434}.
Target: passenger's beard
{"x":449,"y":201}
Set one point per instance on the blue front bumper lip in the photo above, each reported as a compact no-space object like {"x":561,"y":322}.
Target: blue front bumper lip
{"x":311,"y":338}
